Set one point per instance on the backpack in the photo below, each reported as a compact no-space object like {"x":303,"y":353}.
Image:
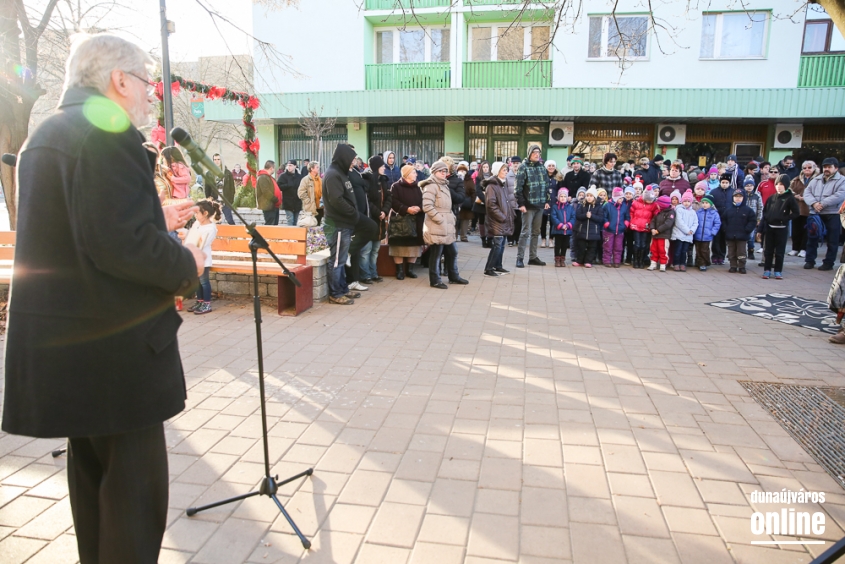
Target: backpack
{"x":815,"y":227}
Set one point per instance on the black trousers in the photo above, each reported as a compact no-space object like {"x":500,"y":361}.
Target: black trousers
{"x":517,"y":228}
{"x":118,"y":486}
{"x":561,"y":244}
{"x":799,"y":233}
{"x":775,"y":247}
{"x":585,"y":251}
{"x":720,"y":245}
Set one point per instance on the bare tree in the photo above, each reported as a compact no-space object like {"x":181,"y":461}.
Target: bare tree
{"x":315,"y":127}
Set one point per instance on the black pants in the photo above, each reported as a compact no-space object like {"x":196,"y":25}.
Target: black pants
{"x":561,"y":244}
{"x":719,"y":245}
{"x":775,"y":247}
{"x":435,"y":251}
{"x":118,"y":488}
{"x":629,"y":245}
{"x":799,"y":233}
{"x":517,"y":227}
{"x":545,"y":228}
{"x":585,"y":251}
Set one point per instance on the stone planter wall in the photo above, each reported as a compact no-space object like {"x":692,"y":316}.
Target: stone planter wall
{"x":241,"y":284}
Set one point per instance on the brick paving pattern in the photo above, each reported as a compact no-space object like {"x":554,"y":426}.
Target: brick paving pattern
{"x":551,"y":415}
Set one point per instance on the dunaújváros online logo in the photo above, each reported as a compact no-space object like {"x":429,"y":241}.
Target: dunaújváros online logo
{"x":788,"y":521}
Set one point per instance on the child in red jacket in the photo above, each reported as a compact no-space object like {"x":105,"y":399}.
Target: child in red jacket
{"x":643,"y":210}
{"x":661,"y":229}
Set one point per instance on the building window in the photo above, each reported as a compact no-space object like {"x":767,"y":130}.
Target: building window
{"x":506,"y":42}
{"x":821,"y":37}
{"x":412,"y":45}
{"x":734,"y":35}
{"x":618,"y":37}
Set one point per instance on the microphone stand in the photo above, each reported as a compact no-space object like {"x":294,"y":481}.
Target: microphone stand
{"x":269,"y":484}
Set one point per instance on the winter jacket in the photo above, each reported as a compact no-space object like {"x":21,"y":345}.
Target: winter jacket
{"x":359,"y":188}
{"x":289,"y":183}
{"x":457,"y":191}
{"x":589,"y":228}
{"x":642,"y":213}
{"x":607,"y":179}
{"x":686,"y":223}
{"x":309,"y":193}
{"x":792,"y":172}
{"x":617,"y":217}
{"x":478,"y":204}
{"x":755,"y":202}
{"x":181,"y":180}
{"x":439,"y":226}
{"x":338,"y":196}
{"x":532,"y":181}
{"x":500,"y":207}
{"x":709,"y":224}
{"x":469,"y":199}
{"x":651,"y":175}
{"x":555,"y":182}
{"x":739,"y":222}
{"x":378,"y":194}
{"x":797,"y":186}
{"x":267,"y":194}
{"x":572,"y":181}
{"x":404,"y":195}
{"x":563,"y":218}
{"x":830,"y":192}
{"x":664,"y":222}
{"x":667,"y":186}
{"x":780,"y":209}
{"x":722,"y":198}
{"x":393,"y":173}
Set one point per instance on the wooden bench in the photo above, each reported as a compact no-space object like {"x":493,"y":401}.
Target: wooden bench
{"x":7,"y":256}
{"x":231,"y":255}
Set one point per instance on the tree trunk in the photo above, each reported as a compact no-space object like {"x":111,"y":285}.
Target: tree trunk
{"x":12,"y":135}
{"x":836,"y":10}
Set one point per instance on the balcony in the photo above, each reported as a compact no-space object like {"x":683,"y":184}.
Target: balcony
{"x":821,"y":71}
{"x":508,"y":74}
{"x":492,"y":2}
{"x":406,"y":76}
{"x":394,"y":4}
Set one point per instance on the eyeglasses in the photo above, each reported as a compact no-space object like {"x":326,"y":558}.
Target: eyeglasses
{"x":151,"y":87}
{"x":807,"y":167}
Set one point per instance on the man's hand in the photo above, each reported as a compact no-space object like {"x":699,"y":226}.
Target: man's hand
{"x":177,"y":215}
{"x":522,"y":209}
{"x":546,"y":207}
{"x":199,"y":258}
{"x":381,"y":215}
{"x":818,"y":206}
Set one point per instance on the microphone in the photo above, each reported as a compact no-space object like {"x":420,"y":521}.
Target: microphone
{"x":9,"y":159}
{"x":194,"y":151}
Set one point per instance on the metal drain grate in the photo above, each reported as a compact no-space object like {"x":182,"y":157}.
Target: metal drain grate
{"x":813,"y":419}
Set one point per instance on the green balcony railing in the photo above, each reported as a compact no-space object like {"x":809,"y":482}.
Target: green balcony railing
{"x":820,"y":71}
{"x":507,"y":74}
{"x":405,"y":76}
{"x":406,"y":4}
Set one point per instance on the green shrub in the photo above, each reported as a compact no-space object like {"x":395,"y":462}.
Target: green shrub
{"x":245,"y":197}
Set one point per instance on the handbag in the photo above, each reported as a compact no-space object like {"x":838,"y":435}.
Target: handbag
{"x":306,"y":220}
{"x":402,"y":226}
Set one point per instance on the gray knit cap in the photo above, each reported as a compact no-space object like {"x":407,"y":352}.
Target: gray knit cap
{"x":439,"y":165}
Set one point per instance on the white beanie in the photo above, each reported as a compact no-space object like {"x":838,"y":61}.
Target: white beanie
{"x":551,"y":163}
{"x":497,"y":166}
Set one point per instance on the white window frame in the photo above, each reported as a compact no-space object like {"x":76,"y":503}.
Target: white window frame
{"x":494,"y":40}
{"x":397,"y":47}
{"x":717,"y":37}
{"x":605,"y":35}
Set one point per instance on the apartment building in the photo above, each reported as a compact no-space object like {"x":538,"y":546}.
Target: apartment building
{"x":483,"y":79}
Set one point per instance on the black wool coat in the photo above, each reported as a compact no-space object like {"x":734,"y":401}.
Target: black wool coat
{"x":91,"y":338}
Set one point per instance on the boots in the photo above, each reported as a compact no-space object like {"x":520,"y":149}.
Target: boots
{"x":839,"y":338}
{"x":400,"y":271}
{"x":409,"y":270}
{"x":557,"y":261}
{"x":653,"y":266}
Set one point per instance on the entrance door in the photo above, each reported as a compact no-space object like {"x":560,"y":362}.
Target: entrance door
{"x":493,"y":141}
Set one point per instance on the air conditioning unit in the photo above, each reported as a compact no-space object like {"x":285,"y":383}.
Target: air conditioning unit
{"x":788,"y":135}
{"x":671,"y":134}
{"x":561,"y":133}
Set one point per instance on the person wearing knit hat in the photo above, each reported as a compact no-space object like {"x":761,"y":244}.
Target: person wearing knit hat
{"x":642,"y":212}
{"x":554,"y":178}
{"x":617,"y":218}
{"x":661,"y":230}
{"x":439,"y":227}
{"x":675,"y":197}
{"x":500,"y":207}
{"x":709,"y":224}
{"x":630,"y":195}
{"x":649,"y":194}
{"x":755,"y":202}
{"x":738,"y":221}
{"x":602,"y":195}
{"x":532,"y":194}
{"x":438,"y":166}
{"x":686,"y":222}
{"x":722,"y":199}
{"x":823,"y":197}
{"x":577,"y":177}
{"x":562,"y":220}
{"x":379,"y":200}
{"x":588,"y":229}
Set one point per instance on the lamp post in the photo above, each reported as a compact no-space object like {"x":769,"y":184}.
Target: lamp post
{"x":165,"y":74}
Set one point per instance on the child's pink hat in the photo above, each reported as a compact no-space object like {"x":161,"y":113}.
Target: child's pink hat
{"x":687,"y":197}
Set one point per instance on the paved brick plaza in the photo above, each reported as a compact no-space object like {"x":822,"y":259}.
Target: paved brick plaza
{"x":546,"y":416}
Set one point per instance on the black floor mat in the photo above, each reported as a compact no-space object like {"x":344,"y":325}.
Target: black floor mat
{"x":792,"y":310}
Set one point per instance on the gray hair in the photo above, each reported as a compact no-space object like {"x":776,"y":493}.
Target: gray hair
{"x":815,"y":166}
{"x":314,"y":164}
{"x":93,"y":58}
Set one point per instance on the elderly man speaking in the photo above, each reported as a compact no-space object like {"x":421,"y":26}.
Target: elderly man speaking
{"x":91,"y":351}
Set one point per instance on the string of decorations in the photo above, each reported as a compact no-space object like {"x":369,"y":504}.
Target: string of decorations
{"x":249,"y":144}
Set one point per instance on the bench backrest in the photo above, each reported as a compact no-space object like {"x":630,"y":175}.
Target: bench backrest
{"x":289,"y":241}
{"x":7,"y":245}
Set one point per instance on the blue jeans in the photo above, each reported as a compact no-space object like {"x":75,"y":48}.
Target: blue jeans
{"x":290,"y":218}
{"x":831,"y":223}
{"x":497,"y":251}
{"x":681,"y":249}
{"x":204,"y":291}
{"x":369,"y":258}
{"x":338,"y":240}
{"x":227,"y":213}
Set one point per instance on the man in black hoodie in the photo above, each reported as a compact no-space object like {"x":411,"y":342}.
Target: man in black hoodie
{"x":339,"y":222}
{"x":288,"y":183}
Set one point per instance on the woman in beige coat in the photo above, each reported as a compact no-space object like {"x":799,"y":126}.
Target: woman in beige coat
{"x":311,"y":190}
{"x":439,"y":226}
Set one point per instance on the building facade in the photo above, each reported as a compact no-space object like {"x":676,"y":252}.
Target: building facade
{"x":483,"y":79}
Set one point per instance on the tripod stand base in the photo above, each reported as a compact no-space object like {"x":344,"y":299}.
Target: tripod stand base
{"x":269,"y":486}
